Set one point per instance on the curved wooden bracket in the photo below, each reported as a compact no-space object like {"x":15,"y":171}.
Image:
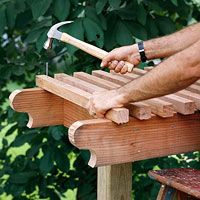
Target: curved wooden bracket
{"x":43,"y":108}
{"x":137,"y":140}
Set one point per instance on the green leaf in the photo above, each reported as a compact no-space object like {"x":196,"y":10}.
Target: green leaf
{"x":141,"y":14}
{"x":127,"y":13}
{"x":34,"y":35}
{"x":76,"y":30}
{"x":41,"y":40}
{"x":22,"y":177}
{"x":2,"y":19}
{"x":46,"y":162}
{"x":22,"y":139}
{"x":93,"y":32}
{"x":115,"y":3}
{"x":110,"y":39}
{"x":11,"y":14}
{"x":165,"y":25}
{"x":137,"y":30}
{"x":175,"y":2}
{"x":123,"y":35}
{"x":100,"y":5}
{"x":40,"y":7}
{"x":61,"y":9}
{"x":61,"y":159}
{"x":151,"y":27}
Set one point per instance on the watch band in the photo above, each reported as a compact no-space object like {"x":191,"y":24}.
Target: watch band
{"x":141,"y":51}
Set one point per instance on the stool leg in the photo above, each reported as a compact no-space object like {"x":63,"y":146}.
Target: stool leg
{"x":166,"y":193}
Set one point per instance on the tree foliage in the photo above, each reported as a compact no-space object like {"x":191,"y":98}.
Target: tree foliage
{"x":49,"y":165}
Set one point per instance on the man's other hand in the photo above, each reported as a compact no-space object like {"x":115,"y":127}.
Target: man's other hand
{"x":115,"y":59}
{"x":101,"y":102}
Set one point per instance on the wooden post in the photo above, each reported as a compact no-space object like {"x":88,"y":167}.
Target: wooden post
{"x":115,"y":182}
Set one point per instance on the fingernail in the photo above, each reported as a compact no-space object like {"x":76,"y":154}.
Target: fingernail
{"x":102,"y":64}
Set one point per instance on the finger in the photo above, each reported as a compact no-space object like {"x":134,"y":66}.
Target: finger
{"x":99,"y":115}
{"x":107,"y":59}
{"x":119,"y":66}
{"x":124,"y":69}
{"x":113,"y":65}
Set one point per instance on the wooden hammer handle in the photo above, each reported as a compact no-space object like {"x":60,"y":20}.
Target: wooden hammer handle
{"x":92,"y":50}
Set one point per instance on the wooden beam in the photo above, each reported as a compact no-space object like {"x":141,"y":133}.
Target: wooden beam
{"x":136,"y":140}
{"x":43,"y":108}
{"x":191,"y":96}
{"x":110,"y":77}
{"x":73,"y":81}
{"x":139,"y":110}
{"x":79,"y":97}
{"x":114,"y":182}
{"x":95,"y":80}
{"x":194,"y":88}
{"x":181,"y":105}
{"x":158,"y":106}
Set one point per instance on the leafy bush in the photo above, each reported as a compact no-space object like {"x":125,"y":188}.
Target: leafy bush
{"x":41,"y":163}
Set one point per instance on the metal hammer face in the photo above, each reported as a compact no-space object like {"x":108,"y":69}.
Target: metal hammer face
{"x":54,"y":33}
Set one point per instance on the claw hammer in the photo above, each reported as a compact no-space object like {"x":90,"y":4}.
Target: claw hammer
{"x":54,"y":33}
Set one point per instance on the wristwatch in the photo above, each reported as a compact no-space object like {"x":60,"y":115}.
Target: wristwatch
{"x":142,"y":51}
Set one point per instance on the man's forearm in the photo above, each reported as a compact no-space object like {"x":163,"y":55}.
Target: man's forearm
{"x":175,"y":73}
{"x":171,"y":44}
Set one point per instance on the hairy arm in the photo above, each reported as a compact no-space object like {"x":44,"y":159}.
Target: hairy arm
{"x":171,"y":44}
{"x":175,"y":73}
{"x":156,"y":48}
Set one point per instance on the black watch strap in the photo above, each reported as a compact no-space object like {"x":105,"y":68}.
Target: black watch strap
{"x":141,"y":51}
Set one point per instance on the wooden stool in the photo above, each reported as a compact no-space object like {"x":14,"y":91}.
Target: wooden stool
{"x":177,"y":184}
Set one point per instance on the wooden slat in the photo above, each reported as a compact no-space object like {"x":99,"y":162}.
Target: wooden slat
{"x":110,"y":144}
{"x":181,"y":105}
{"x":139,"y":110}
{"x":79,"y":97}
{"x":44,"y":108}
{"x":83,"y":85}
{"x":190,"y":95}
{"x":115,"y":182}
{"x":129,"y":76}
{"x":110,"y":77}
{"x":194,"y":88}
{"x":95,"y":80}
{"x":159,"y":107}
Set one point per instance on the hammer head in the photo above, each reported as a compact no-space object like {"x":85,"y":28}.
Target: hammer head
{"x":54,"y":33}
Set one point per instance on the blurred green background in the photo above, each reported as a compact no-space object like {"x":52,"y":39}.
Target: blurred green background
{"x":41,"y":163}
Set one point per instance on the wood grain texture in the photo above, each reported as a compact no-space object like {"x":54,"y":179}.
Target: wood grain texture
{"x":159,"y":107}
{"x":43,"y":108}
{"x":115,"y":182}
{"x":79,"y":97}
{"x":95,"y":80}
{"x":191,"y":96}
{"x":186,"y":180}
{"x":194,"y":88}
{"x":181,"y":104}
{"x":110,"y":144}
{"x":139,"y":110}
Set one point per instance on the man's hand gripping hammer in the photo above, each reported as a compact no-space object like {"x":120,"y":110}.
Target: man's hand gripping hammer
{"x":54,"y":33}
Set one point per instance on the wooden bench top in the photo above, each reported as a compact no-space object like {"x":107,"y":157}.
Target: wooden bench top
{"x":183,"y":179}
{"x":171,"y":122}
